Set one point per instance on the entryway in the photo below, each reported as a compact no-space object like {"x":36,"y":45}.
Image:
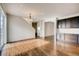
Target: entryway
{"x":49,"y":31}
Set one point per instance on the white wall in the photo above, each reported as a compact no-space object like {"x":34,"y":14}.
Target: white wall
{"x":39,"y":24}
{"x":19,"y":29}
{"x":49,"y":28}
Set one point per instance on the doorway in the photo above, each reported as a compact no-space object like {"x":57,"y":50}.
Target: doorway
{"x":49,"y":31}
{"x":34,"y":25}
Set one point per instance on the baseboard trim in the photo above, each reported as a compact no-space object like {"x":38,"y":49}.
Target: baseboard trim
{"x":49,"y":36}
{"x":21,"y":40}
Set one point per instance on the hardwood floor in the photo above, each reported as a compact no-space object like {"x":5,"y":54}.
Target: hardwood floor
{"x":68,"y":49}
{"x":38,"y":47}
{"x":35,"y":47}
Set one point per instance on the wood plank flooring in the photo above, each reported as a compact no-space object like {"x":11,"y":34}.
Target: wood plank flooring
{"x":35,"y":47}
{"x":68,"y":49}
{"x":39,"y":47}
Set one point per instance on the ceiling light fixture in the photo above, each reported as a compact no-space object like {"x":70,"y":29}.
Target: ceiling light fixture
{"x":29,"y":18}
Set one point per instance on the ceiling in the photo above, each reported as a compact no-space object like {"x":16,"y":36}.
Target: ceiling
{"x":41,"y":10}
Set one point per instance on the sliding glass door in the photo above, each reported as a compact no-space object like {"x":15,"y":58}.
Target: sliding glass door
{"x":0,"y":27}
{"x":3,"y":31}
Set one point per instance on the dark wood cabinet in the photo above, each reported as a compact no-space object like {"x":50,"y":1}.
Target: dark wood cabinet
{"x":68,"y":40}
{"x":68,"y":23}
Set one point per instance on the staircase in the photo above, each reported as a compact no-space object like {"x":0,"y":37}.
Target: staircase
{"x":33,"y":26}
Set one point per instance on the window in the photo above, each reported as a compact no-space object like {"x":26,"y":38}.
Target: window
{"x":2,"y":28}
